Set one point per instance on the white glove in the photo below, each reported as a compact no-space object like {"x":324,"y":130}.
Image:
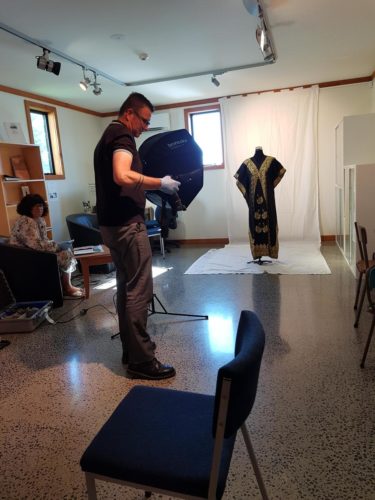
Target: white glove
{"x":169,"y":185}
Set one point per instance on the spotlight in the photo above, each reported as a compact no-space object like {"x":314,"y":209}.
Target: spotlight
{"x":44,"y":62}
{"x":85,"y":82}
{"x":264,"y":42}
{"x":97,"y":88}
{"x":215,"y":81}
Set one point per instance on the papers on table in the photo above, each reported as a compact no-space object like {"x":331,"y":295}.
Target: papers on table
{"x":88,"y":249}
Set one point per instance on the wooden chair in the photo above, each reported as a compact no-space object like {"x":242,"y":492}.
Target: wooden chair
{"x":181,"y":443}
{"x":362,"y":266}
{"x":370,"y":281}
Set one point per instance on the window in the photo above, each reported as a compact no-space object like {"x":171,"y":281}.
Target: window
{"x":204,"y":124}
{"x":44,"y":131}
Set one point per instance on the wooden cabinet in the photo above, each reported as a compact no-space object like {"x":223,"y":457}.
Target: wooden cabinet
{"x":13,"y":189}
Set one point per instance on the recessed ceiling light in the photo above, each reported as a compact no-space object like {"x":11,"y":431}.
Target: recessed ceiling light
{"x":117,"y":36}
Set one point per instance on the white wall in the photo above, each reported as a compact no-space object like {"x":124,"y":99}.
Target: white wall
{"x":205,"y":217}
{"x":79,"y":133}
{"x":334,"y":104}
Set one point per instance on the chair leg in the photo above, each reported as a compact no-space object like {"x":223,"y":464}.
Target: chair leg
{"x":162,"y":249}
{"x":368,"y":342}
{"x":359,"y":310}
{"x":358,"y":290}
{"x":254,"y":462}
{"x":90,"y":484}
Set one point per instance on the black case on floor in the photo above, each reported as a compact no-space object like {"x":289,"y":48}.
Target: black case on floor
{"x":19,"y":317}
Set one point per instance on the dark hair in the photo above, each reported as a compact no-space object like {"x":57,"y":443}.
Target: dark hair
{"x":135,"y":101}
{"x":29,"y":201}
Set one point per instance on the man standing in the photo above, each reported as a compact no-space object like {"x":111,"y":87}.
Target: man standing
{"x":120,"y":199}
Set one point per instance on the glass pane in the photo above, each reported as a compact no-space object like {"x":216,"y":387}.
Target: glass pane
{"x":206,"y":128}
{"x":39,"y":123}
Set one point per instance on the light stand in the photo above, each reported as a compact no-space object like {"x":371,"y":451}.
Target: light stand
{"x":152,"y":310}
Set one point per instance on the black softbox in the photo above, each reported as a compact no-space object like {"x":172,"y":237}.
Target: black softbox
{"x":176,"y":154}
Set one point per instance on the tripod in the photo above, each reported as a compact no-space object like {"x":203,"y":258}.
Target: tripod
{"x":152,"y":310}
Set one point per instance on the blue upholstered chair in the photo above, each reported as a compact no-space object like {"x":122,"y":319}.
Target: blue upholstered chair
{"x":181,"y":443}
{"x":154,"y":231}
{"x":370,"y":280}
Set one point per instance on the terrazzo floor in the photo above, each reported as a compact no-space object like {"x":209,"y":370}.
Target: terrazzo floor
{"x":313,"y":422}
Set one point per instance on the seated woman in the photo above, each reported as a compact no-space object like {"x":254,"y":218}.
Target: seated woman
{"x":30,"y":231}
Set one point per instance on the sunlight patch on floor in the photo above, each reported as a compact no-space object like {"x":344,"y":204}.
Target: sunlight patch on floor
{"x":111,"y":283}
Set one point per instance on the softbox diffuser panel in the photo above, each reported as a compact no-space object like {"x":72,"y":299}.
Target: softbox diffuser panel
{"x":176,"y":154}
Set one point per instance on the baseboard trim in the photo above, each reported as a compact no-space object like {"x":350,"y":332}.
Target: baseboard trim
{"x":204,"y":241}
{"x":225,"y":241}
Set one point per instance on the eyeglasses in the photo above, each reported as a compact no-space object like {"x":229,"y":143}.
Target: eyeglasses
{"x":146,"y":123}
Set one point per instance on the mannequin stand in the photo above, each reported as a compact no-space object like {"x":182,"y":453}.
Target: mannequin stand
{"x":259,"y":261}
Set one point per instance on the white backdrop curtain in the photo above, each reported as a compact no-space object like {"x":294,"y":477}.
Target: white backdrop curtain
{"x":285,"y":125}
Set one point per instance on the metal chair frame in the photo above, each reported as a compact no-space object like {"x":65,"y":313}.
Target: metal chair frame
{"x":370,"y":281}
{"x":362,"y":266}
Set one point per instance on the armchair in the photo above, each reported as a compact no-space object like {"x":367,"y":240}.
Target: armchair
{"x":84,"y":230}
{"x":31,"y":274}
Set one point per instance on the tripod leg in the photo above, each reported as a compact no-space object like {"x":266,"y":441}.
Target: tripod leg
{"x":164,"y":311}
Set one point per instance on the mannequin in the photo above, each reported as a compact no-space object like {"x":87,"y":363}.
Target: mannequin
{"x":256,"y":179}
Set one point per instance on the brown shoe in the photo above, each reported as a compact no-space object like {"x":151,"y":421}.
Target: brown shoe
{"x":151,"y":370}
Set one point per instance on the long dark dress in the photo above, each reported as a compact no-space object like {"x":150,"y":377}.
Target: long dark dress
{"x":256,"y":178}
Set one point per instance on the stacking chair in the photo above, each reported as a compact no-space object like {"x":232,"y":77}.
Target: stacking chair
{"x":362,"y":266}
{"x":154,"y":230}
{"x":370,"y":280}
{"x":181,"y":443}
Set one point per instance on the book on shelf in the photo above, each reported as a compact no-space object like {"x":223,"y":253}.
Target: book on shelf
{"x":88,"y":249}
{"x":20,"y":169}
{"x":11,"y":178}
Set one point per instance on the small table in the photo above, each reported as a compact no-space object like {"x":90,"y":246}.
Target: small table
{"x":92,"y":259}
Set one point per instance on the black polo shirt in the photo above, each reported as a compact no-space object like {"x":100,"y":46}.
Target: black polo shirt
{"x":113,"y":207}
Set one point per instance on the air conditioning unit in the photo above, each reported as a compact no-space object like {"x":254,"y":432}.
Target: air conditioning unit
{"x":159,"y":122}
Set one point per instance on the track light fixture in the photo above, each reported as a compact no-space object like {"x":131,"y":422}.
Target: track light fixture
{"x":264,"y":42}
{"x":86,"y":82}
{"x":215,"y":81}
{"x":262,"y":34}
{"x":97,"y":88}
{"x":44,"y":62}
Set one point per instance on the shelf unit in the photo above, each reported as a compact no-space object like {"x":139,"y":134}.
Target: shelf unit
{"x":355,"y":181}
{"x":11,"y":191}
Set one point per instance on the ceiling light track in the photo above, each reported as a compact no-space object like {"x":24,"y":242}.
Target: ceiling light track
{"x":253,"y":6}
{"x":43,"y":46}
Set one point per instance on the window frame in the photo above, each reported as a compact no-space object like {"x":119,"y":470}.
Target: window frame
{"x":188,"y":112}
{"x":54,"y":136}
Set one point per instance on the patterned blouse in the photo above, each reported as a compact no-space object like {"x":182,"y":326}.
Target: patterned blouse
{"x":32,"y":233}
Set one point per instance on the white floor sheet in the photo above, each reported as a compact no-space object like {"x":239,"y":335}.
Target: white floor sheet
{"x":295,"y":257}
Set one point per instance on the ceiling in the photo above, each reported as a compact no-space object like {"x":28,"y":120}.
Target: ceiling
{"x":314,"y":40}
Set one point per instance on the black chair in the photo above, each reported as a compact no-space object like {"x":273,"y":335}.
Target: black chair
{"x":31,"y":274}
{"x":363,"y":264}
{"x":84,"y":230}
{"x":181,"y":443}
{"x":370,"y":281}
